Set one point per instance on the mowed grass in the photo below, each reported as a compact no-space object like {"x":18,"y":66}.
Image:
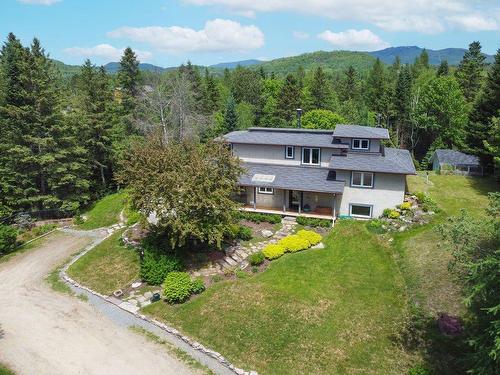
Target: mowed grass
{"x":424,"y":261}
{"x":324,"y":311}
{"x":107,"y":267}
{"x":4,"y":370}
{"x":105,"y":212}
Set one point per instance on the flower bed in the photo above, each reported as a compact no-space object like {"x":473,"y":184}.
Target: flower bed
{"x":303,"y":240}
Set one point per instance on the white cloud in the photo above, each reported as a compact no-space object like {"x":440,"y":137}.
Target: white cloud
{"x":300,"y":35}
{"x":426,"y":16}
{"x":105,"y":52}
{"x":39,"y":2}
{"x":351,"y":39}
{"x":216,"y":36}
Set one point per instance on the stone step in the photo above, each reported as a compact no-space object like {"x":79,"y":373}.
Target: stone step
{"x":231,"y":261}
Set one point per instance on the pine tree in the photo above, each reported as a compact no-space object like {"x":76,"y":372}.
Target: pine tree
{"x":402,"y":104}
{"x":289,"y":99}
{"x":320,"y":89}
{"x":193,"y":76}
{"x":350,"y":84}
{"x":485,"y":109}
{"x":443,"y":69}
{"x":94,"y":102}
{"x":211,"y":95}
{"x":470,"y":70}
{"x":230,"y":116}
{"x":129,"y":77}
{"x":376,"y":89}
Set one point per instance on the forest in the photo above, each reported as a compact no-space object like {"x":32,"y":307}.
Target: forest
{"x":62,"y":137}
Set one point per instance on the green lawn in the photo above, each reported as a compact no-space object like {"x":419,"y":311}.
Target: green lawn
{"x":107,"y":267}
{"x":331,"y":310}
{"x":105,"y":212}
{"x":5,"y":370}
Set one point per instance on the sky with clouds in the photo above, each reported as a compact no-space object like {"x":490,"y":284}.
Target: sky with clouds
{"x":169,"y":32}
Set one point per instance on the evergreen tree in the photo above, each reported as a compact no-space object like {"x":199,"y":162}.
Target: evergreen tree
{"x":485,"y":109}
{"x":470,"y":70}
{"x":443,"y":69}
{"x":230,"y":116}
{"x":289,"y":99}
{"x":376,"y":90}
{"x":301,"y":76}
{"x":193,"y":76}
{"x":350,"y":84}
{"x":320,"y":89}
{"x":129,"y":77}
{"x":402,"y":104}
{"x":211,"y":95}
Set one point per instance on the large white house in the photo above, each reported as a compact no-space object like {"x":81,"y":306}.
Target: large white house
{"x":320,"y":173}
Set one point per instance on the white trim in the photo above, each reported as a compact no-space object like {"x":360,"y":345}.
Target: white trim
{"x":360,"y":144}
{"x":265,"y":190}
{"x":362,"y":179}
{"x":351,"y":205}
{"x":310,"y":155}
{"x":286,"y":152}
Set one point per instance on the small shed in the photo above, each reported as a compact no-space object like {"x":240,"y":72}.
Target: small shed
{"x":456,"y":162}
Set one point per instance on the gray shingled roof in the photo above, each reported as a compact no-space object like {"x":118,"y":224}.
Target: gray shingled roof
{"x":395,"y":161}
{"x":358,"y":131}
{"x":293,"y":178}
{"x":454,"y":157}
{"x":284,"y":137}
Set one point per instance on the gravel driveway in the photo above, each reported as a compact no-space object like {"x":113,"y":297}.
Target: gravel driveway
{"x":45,"y":332}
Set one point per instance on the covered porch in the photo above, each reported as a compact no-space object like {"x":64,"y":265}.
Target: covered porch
{"x":288,"y":202}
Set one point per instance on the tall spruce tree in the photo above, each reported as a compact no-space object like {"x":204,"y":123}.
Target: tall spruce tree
{"x":443,"y":69}
{"x":230,"y":116}
{"x":485,"y":109}
{"x":376,"y":89}
{"x":402,"y":104}
{"x":288,"y":100}
{"x":192,"y":73}
{"x":320,"y":89}
{"x":470,"y":70}
{"x":211,"y":95}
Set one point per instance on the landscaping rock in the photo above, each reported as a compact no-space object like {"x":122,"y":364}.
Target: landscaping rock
{"x":321,"y":245}
{"x":137,"y":284}
{"x":148,"y":295}
{"x":266,"y":233}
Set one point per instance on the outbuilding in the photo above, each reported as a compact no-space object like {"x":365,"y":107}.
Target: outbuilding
{"x":456,"y":162}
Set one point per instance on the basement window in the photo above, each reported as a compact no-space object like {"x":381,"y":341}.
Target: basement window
{"x":361,"y":210}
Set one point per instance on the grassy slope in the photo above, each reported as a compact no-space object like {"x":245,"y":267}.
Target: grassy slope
{"x":105,"y":212}
{"x":107,"y":267}
{"x":425,"y":263}
{"x":319,"y":311}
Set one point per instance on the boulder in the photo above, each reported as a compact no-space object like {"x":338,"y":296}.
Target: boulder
{"x":266,"y":233}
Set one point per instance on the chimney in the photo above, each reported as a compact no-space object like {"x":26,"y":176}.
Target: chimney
{"x":299,"y":117}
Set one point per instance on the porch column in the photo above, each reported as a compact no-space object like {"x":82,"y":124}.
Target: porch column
{"x":255,"y":197}
{"x":333,"y":206}
{"x":300,"y":201}
{"x":284,"y":199}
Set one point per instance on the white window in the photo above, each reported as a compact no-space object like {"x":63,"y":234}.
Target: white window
{"x":310,"y":156}
{"x":362,"y":179}
{"x":290,"y":152}
{"x":360,"y":144}
{"x":360,"y":210}
{"x":266,"y":190}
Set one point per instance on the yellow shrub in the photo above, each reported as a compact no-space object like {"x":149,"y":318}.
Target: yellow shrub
{"x":405,"y":206}
{"x":273,"y":251}
{"x":312,"y":237}
{"x":294,"y":243}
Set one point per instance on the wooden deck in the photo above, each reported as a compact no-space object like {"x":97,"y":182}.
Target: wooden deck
{"x":266,"y":210}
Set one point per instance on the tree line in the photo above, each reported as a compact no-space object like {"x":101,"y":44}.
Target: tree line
{"x":61,"y":140}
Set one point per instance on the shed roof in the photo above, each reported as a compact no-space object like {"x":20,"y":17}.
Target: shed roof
{"x":290,"y":177}
{"x":358,"y":131}
{"x":395,"y":161}
{"x":454,"y":157}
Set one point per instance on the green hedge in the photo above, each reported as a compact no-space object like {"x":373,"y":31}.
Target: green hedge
{"x":273,"y":251}
{"x":313,"y":222}
{"x":8,"y":237}
{"x":155,"y":267}
{"x":312,"y":237}
{"x":177,"y":287}
{"x":294,"y":243}
{"x":259,"y":218}
{"x":304,"y":239}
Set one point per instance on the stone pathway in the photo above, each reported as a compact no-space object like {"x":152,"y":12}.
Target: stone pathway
{"x":236,"y":255}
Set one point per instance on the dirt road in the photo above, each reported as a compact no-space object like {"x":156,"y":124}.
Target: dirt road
{"x":45,"y":332}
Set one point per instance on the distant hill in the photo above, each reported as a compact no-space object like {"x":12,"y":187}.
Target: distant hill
{"x":66,"y":70}
{"x":409,"y":53}
{"x":234,"y":64}
{"x":334,"y":61}
{"x":112,"y":67}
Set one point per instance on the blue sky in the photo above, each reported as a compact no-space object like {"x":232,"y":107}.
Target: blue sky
{"x":169,"y":32}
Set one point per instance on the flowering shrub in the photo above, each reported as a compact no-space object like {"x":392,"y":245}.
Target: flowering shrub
{"x":391,"y":214}
{"x":294,"y":243}
{"x":312,"y":237}
{"x":405,"y":206}
{"x":273,"y":251}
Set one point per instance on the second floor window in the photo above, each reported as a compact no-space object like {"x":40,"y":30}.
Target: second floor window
{"x":290,"y":152}
{"x":310,"y":156}
{"x":360,"y":144}
{"x":362,"y":179}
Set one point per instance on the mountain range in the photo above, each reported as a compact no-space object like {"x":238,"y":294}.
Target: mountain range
{"x":330,"y":60}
